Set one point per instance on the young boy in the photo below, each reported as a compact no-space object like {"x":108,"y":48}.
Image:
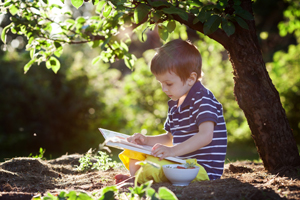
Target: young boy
{"x":195,"y":124}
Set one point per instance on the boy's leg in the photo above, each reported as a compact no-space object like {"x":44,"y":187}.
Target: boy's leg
{"x":133,"y":167}
{"x":132,"y":170}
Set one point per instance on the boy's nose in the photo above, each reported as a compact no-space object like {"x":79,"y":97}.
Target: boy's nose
{"x":164,"y":88}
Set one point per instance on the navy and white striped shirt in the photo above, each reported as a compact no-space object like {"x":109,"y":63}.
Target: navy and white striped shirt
{"x":183,"y":122}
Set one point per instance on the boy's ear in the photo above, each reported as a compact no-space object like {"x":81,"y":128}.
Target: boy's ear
{"x":193,"y":78}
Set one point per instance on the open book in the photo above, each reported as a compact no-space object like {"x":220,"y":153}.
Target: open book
{"x":118,"y":140}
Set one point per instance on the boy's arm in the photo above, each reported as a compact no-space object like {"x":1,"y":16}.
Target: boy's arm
{"x":165,"y":139}
{"x":201,"y":139}
{"x":138,"y":138}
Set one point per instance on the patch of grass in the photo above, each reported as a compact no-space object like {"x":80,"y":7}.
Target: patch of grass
{"x":41,"y":155}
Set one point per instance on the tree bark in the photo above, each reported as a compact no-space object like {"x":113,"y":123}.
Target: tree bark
{"x":260,"y":101}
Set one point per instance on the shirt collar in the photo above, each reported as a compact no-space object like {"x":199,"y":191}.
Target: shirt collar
{"x":188,"y":98}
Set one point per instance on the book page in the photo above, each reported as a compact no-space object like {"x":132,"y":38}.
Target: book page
{"x":120,"y":140}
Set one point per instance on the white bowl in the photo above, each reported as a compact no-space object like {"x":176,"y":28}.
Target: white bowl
{"x":180,"y":177}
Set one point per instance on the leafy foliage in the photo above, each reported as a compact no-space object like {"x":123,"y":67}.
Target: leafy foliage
{"x":111,"y":25}
{"x":111,"y":192}
{"x":103,"y":162}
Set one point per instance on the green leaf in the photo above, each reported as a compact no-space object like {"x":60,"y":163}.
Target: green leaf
{"x":212,"y":24}
{"x":7,"y":3}
{"x":100,"y":6}
{"x":13,"y":9}
{"x":156,"y":15}
{"x":171,"y":26}
{"x":241,"y":22}
{"x":124,"y":46}
{"x":45,"y":1}
{"x":107,"y":10}
{"x":163,"y":32}
{"x":196,"y":20}
{"x":71,"y":21}
{"x":83,"y":196}
{"x":62,"y":194}
{"x":36,"y":197}
{"x":140,"y":13}
{"x":129,"y":60}
{"x":244,"y":14}
{"x":173,"y":10}
{"x":28,"y":65}
{"x":196,"y":3}
{"x":108,"y":195}
{"x":152,"y":194}
{"x":77,"y":3}
{"x":68,"y":13}
{"x":204,"y":15}
{"x":166,"y":194}
{"x":105,"y":42}
{"x":63,"y":1}
{"x":3,"y":34}
{"x":32,"y":51}
{"x":95,"y":60}
{"x":54,"y":64}
{"x":158,"y":3}
{"x":228,"y":27}
{"x":71,"y":195}
{"x":80,"y":20}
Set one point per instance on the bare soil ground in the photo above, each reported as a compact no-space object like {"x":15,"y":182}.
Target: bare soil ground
{"x":22,"y":178}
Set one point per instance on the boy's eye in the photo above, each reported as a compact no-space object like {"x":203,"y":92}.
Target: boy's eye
{"x":169,"y":84}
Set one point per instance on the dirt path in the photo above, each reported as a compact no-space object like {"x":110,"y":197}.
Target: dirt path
{"x":22,"y":178}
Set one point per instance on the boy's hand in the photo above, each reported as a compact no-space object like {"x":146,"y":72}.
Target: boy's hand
{"x":137,"y":138}
{"x":161,"y":151}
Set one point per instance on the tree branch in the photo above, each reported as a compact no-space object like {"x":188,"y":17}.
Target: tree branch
{"x":219,"y":35}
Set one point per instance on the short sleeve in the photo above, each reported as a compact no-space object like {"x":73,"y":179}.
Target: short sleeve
{"x":167,"y":125}
{"x":206,"y":109}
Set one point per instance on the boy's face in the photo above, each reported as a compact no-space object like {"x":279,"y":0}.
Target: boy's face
{"x":172,"y":85}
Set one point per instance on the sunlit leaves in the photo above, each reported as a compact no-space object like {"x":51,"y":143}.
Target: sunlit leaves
{"x":113,"y":22}
{"x":77,"y":3}
{"x":140,"y":12}
{"x":3,"y":34}
{"x":291,"y":24}
{"x":13,"y":9}
{"x":166,"y":194}
{"x":163,"y":32}
{"x":129,"y":60}
{"x":54,"y":64}
{"x":107,"y":10}
{"x":100,"y":6}
{"x":96,"y":59}
{"x":171,"y":26}
{"x":28,"y":65}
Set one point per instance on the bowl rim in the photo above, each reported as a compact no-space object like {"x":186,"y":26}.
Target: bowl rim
{"x":175,"y":165}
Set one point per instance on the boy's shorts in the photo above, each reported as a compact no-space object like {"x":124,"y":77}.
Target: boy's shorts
{"x":149,"y":172}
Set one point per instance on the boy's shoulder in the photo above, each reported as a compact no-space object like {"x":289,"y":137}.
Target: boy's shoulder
{"x":201,"y":91}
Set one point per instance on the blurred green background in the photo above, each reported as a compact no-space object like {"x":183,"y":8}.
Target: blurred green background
{"x":62,"y":112}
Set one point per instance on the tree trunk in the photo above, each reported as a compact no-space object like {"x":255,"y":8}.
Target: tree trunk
{"x":256,"y":94}
{"x":260,"y":101}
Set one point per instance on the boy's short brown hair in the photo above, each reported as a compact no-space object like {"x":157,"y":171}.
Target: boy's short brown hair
{"x":178,"y":56}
